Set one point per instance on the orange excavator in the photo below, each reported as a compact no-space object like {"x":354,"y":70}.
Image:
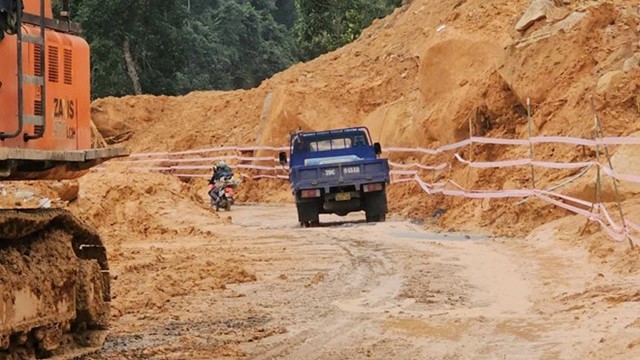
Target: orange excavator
{"x":54,"y":279}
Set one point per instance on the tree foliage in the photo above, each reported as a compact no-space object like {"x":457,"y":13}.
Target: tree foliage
{"x":235,"y":45}
{"x":325,"y":25}
{"x":184,"y":45}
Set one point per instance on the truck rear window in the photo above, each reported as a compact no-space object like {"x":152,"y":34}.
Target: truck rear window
{"x":327,"y":143}
{"x":332,"y":144}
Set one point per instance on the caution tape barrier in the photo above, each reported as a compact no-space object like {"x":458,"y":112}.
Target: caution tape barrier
{"x":596,"y":212}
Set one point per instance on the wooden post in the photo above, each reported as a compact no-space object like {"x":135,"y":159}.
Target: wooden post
{"x":597,"y":193}
{"x":531,"y":156}
{"x":470,"y":152}
{"x":599,"y":134}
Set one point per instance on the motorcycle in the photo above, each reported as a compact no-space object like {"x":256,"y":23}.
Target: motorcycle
{"x":222,"y":193}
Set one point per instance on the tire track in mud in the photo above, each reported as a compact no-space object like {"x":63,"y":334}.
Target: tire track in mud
{"x":368,"y":276}
{"x":357,"y":298}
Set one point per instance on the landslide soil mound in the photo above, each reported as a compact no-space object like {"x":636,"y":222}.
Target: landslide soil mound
{"x":126,"y":205}
{"x":421,"y":77}
{"x":150,"y":222}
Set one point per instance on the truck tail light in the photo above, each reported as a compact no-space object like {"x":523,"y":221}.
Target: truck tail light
{"x":314,"y":193}
{"x":372,"y":187}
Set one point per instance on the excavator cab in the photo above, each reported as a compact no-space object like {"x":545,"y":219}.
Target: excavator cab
{"x":54,"y":276}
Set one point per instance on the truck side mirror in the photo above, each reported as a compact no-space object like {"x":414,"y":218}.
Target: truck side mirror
{"x":377,"y":148}
{"x":283,"y":158}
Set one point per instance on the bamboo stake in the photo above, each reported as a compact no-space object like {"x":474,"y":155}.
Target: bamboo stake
{"x":531,"y":155}
{"x":597,"y":189}
{"x":470,"y":151}
{"x":600,"y":135}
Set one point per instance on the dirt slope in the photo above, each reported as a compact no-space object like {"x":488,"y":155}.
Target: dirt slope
{"x":418,"y":78}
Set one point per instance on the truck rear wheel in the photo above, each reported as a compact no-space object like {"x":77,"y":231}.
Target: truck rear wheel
{"x":308,"y":213}
{"x":375,"y":206}
{"x":376,"y":218}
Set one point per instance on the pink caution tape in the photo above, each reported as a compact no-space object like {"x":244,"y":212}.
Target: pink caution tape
{"x":493,"y":164}
{"x":437,"y":151}
{"x":497,"y":141}
{"x":258,"y":167}
{"x":602,"y":215}
{"x":475,"y":139}
{"x":425,"y":187}
{"x":612,"y":234}
{"x":186,"y":152}
{"x":192,"y":176}
{"x":210,"y":150}
{"x":571,"y":208}
{"x":420,"y":166}
{"x":633,"y":226}
{"x":561,"y":140}
{"x":607,"y":216}
{"x":401,"y":180}
{"x":557,"y":165}
{"x":565,"y":197}
{"x":205,"y":167}
{"x":619,"y":140}
{"x":624,"y":177}
{"x":196,"y":160}
{"x":255,"y":177}
{"x":284,"y":177}
{"x":614,"y":231}
{"x":403,"y":172}
{"x":522,"y":162}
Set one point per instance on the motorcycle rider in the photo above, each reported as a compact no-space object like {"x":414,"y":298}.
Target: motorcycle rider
{"x":220,"y":171}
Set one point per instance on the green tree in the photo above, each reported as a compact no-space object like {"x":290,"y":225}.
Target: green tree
{"x":235,"y":45}
{"x":285,"y":12}
{"x":325,"y":25}
{"x":138,"y":39}
{"x":173,"y":47}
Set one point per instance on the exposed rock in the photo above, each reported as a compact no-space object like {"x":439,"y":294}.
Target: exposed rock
{"x":538,"y":9}
{"x":631,"y":63}
{"x":23,"y":195}
{"x":617,"y":58}
{"x":549,"y":31}
{"x":608,"y":80}
{"x":66,"y":190}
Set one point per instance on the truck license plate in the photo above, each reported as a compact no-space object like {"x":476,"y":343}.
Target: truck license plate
{"x":343,"y":197}
{"x":351,"y":170}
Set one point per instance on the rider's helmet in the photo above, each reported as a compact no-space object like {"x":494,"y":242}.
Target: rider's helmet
{"x":221,"y":164}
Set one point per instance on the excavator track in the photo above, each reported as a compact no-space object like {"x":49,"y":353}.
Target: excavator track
{"x":54,"y":286}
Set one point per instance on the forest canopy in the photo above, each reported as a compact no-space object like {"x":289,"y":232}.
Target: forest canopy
{"x":174,"y":47}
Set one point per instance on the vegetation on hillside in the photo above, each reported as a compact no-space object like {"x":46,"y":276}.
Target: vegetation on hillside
{"x":174,"y":47}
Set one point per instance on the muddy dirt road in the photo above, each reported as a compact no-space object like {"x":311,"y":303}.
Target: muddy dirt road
{"x":262,"y":288}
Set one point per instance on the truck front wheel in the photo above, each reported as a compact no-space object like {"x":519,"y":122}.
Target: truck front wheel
{"x":375,"y":206}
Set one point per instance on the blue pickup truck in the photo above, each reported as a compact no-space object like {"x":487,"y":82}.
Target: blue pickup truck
{"x":337,"y":172}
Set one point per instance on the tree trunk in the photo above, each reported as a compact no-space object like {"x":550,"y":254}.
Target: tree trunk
{"x":131,"y":68}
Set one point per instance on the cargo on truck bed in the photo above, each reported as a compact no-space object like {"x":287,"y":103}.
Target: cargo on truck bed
{"x":337,"y":172}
